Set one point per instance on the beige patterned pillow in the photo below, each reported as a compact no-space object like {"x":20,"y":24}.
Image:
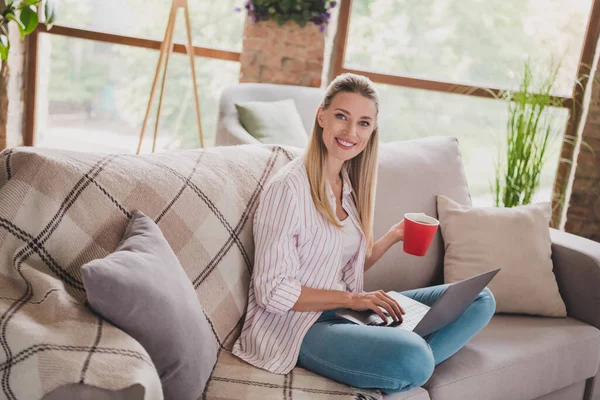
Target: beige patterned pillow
{"x":517,"y":240}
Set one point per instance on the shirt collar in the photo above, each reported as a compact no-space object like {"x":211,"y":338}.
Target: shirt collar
{"x":346,"y":185}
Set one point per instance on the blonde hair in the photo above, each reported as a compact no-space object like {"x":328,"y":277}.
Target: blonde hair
{"x":362,"y":169}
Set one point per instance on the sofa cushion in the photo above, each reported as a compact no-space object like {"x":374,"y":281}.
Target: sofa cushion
{"x":518,"y":357}
{"x":234,"y":379}
{"x":78,"y":391}
{"x":516,"y":240}
{"x":140,"y":287}
{"x":413,"y":394}
{"x":574,"y":392}
{"x":274,"y":122}
{"x":411,"y":173}
{"x":596,"y":386}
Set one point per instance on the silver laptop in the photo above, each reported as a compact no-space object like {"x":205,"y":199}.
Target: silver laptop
{"x":421,"y":318}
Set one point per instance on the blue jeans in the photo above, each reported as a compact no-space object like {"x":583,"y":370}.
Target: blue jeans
{"x":390,"y":359}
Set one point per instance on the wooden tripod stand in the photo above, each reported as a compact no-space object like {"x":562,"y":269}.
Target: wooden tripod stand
{"x":166,"y":49}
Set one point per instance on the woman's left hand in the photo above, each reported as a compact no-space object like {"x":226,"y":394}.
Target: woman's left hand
{"x":397,"y":231}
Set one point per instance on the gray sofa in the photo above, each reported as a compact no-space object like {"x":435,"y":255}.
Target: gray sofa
{"x":515,"y":357}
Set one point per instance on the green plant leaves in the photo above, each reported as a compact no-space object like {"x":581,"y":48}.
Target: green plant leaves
{"x":24,"y":14}
{"x":530,"y":129}
{"x":29,"y":18}
{"x":12,"y":17}
{"x":4,"y":46}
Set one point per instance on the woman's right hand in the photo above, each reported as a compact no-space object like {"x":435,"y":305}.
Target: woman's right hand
{"x":374,"y":300}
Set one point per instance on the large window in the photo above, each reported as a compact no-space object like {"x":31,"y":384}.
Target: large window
{"x":441,"y":45}
{"x":472,"y":42}
{"x":92,"y":94}
{"x":95,"y":70}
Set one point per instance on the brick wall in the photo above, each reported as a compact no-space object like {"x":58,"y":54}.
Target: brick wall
{"x":583,"y":214}
{"x":287,"y":54}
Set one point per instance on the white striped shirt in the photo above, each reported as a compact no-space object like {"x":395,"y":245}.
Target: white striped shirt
{"x":351,"y":240}
{"x":294,"y":246}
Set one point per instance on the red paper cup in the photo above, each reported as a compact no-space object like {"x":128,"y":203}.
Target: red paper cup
{"x":419,"y":230}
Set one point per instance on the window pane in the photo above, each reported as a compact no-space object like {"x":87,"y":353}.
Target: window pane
{"x":93,"y":96}
{"x":478,"y":123}
{"x":474,"y":42}
{"x":214,"y":23}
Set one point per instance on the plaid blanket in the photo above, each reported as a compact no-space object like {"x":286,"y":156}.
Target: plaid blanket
{"x":61,"y":209}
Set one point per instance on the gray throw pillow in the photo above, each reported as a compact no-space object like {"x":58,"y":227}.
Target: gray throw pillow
{"x":142,"y":289}
{"x":273,"y":122}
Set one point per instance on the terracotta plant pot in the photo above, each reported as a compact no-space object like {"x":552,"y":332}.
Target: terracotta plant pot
{"x":286,"y":54}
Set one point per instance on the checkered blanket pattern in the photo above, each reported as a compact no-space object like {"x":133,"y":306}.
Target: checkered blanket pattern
{"x":61,"y":209}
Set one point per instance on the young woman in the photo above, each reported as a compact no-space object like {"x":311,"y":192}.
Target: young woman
{"x":313,"y":234}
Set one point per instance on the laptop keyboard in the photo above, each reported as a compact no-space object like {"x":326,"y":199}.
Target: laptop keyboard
{"x":414,"y":312}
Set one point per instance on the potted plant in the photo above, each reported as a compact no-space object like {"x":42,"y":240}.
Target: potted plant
{"x":284,"y":41}
{"x":531,"y":128}
{"x":26,"y":16}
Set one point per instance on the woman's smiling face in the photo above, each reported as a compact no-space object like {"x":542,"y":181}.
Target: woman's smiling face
{"x":348,"y":124}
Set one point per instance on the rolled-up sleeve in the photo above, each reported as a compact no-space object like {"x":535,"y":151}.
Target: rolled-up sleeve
{"x":276,"y":225}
